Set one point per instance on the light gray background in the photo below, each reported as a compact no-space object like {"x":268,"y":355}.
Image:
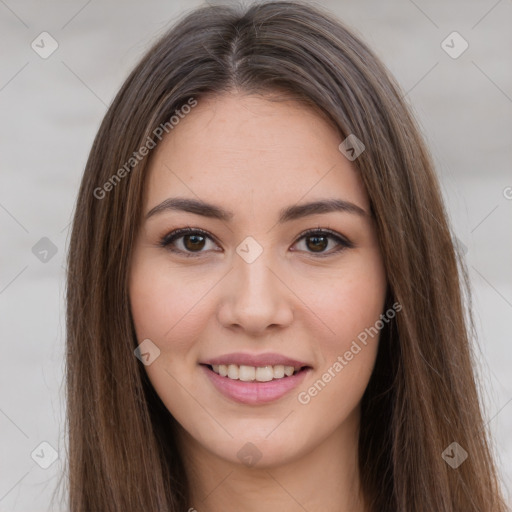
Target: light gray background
{"x":51,"y":109}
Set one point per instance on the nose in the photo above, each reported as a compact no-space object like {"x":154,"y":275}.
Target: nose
{"x":255,"y":297}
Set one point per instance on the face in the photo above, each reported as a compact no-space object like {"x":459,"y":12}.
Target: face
{"x":259,"y":286}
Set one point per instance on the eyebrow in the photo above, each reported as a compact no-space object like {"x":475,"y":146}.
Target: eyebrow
{"x":290,"y":213}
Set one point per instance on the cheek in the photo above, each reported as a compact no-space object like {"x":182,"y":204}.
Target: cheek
{"x":170,"y":313}
{"x":352,"y":308}
{"x":346,"y":302}
{"x":166,"y":306}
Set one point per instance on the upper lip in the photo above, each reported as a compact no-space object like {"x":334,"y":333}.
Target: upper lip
{"x":267,"y":359}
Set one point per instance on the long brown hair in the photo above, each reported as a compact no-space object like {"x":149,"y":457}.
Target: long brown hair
{"x":423,"y":393}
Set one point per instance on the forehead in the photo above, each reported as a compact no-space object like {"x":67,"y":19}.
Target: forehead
{"x":237,"y":146}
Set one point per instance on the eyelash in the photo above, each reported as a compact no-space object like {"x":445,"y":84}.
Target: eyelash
{"x":168,"y":239}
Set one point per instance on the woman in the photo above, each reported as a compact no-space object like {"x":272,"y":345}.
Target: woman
{"x":264,"y":303}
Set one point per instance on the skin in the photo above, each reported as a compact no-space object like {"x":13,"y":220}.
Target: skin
{"x":255,"y":157}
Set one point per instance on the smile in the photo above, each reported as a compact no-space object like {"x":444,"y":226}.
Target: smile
{"x":254,"y":373}
{"x":263,"y":384}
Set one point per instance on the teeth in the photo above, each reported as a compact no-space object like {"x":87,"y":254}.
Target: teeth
{"x":264,"y":373}
{"x":288,"y":370}
{"x":254,"y":373}
{"x":233,"y":371}
{"x":278,"y":371}
{"x":247,"y":373}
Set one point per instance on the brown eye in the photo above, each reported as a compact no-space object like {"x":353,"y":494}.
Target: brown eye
{"x":317,"y":243}
{"x":194,"y":242}
{"x":187,"y":241}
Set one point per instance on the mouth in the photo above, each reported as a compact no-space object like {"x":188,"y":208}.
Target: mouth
{"x":254,"y":385}
{"x":247,"y":373}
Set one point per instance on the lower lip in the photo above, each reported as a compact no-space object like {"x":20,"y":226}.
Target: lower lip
{"x":253,"y":393}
